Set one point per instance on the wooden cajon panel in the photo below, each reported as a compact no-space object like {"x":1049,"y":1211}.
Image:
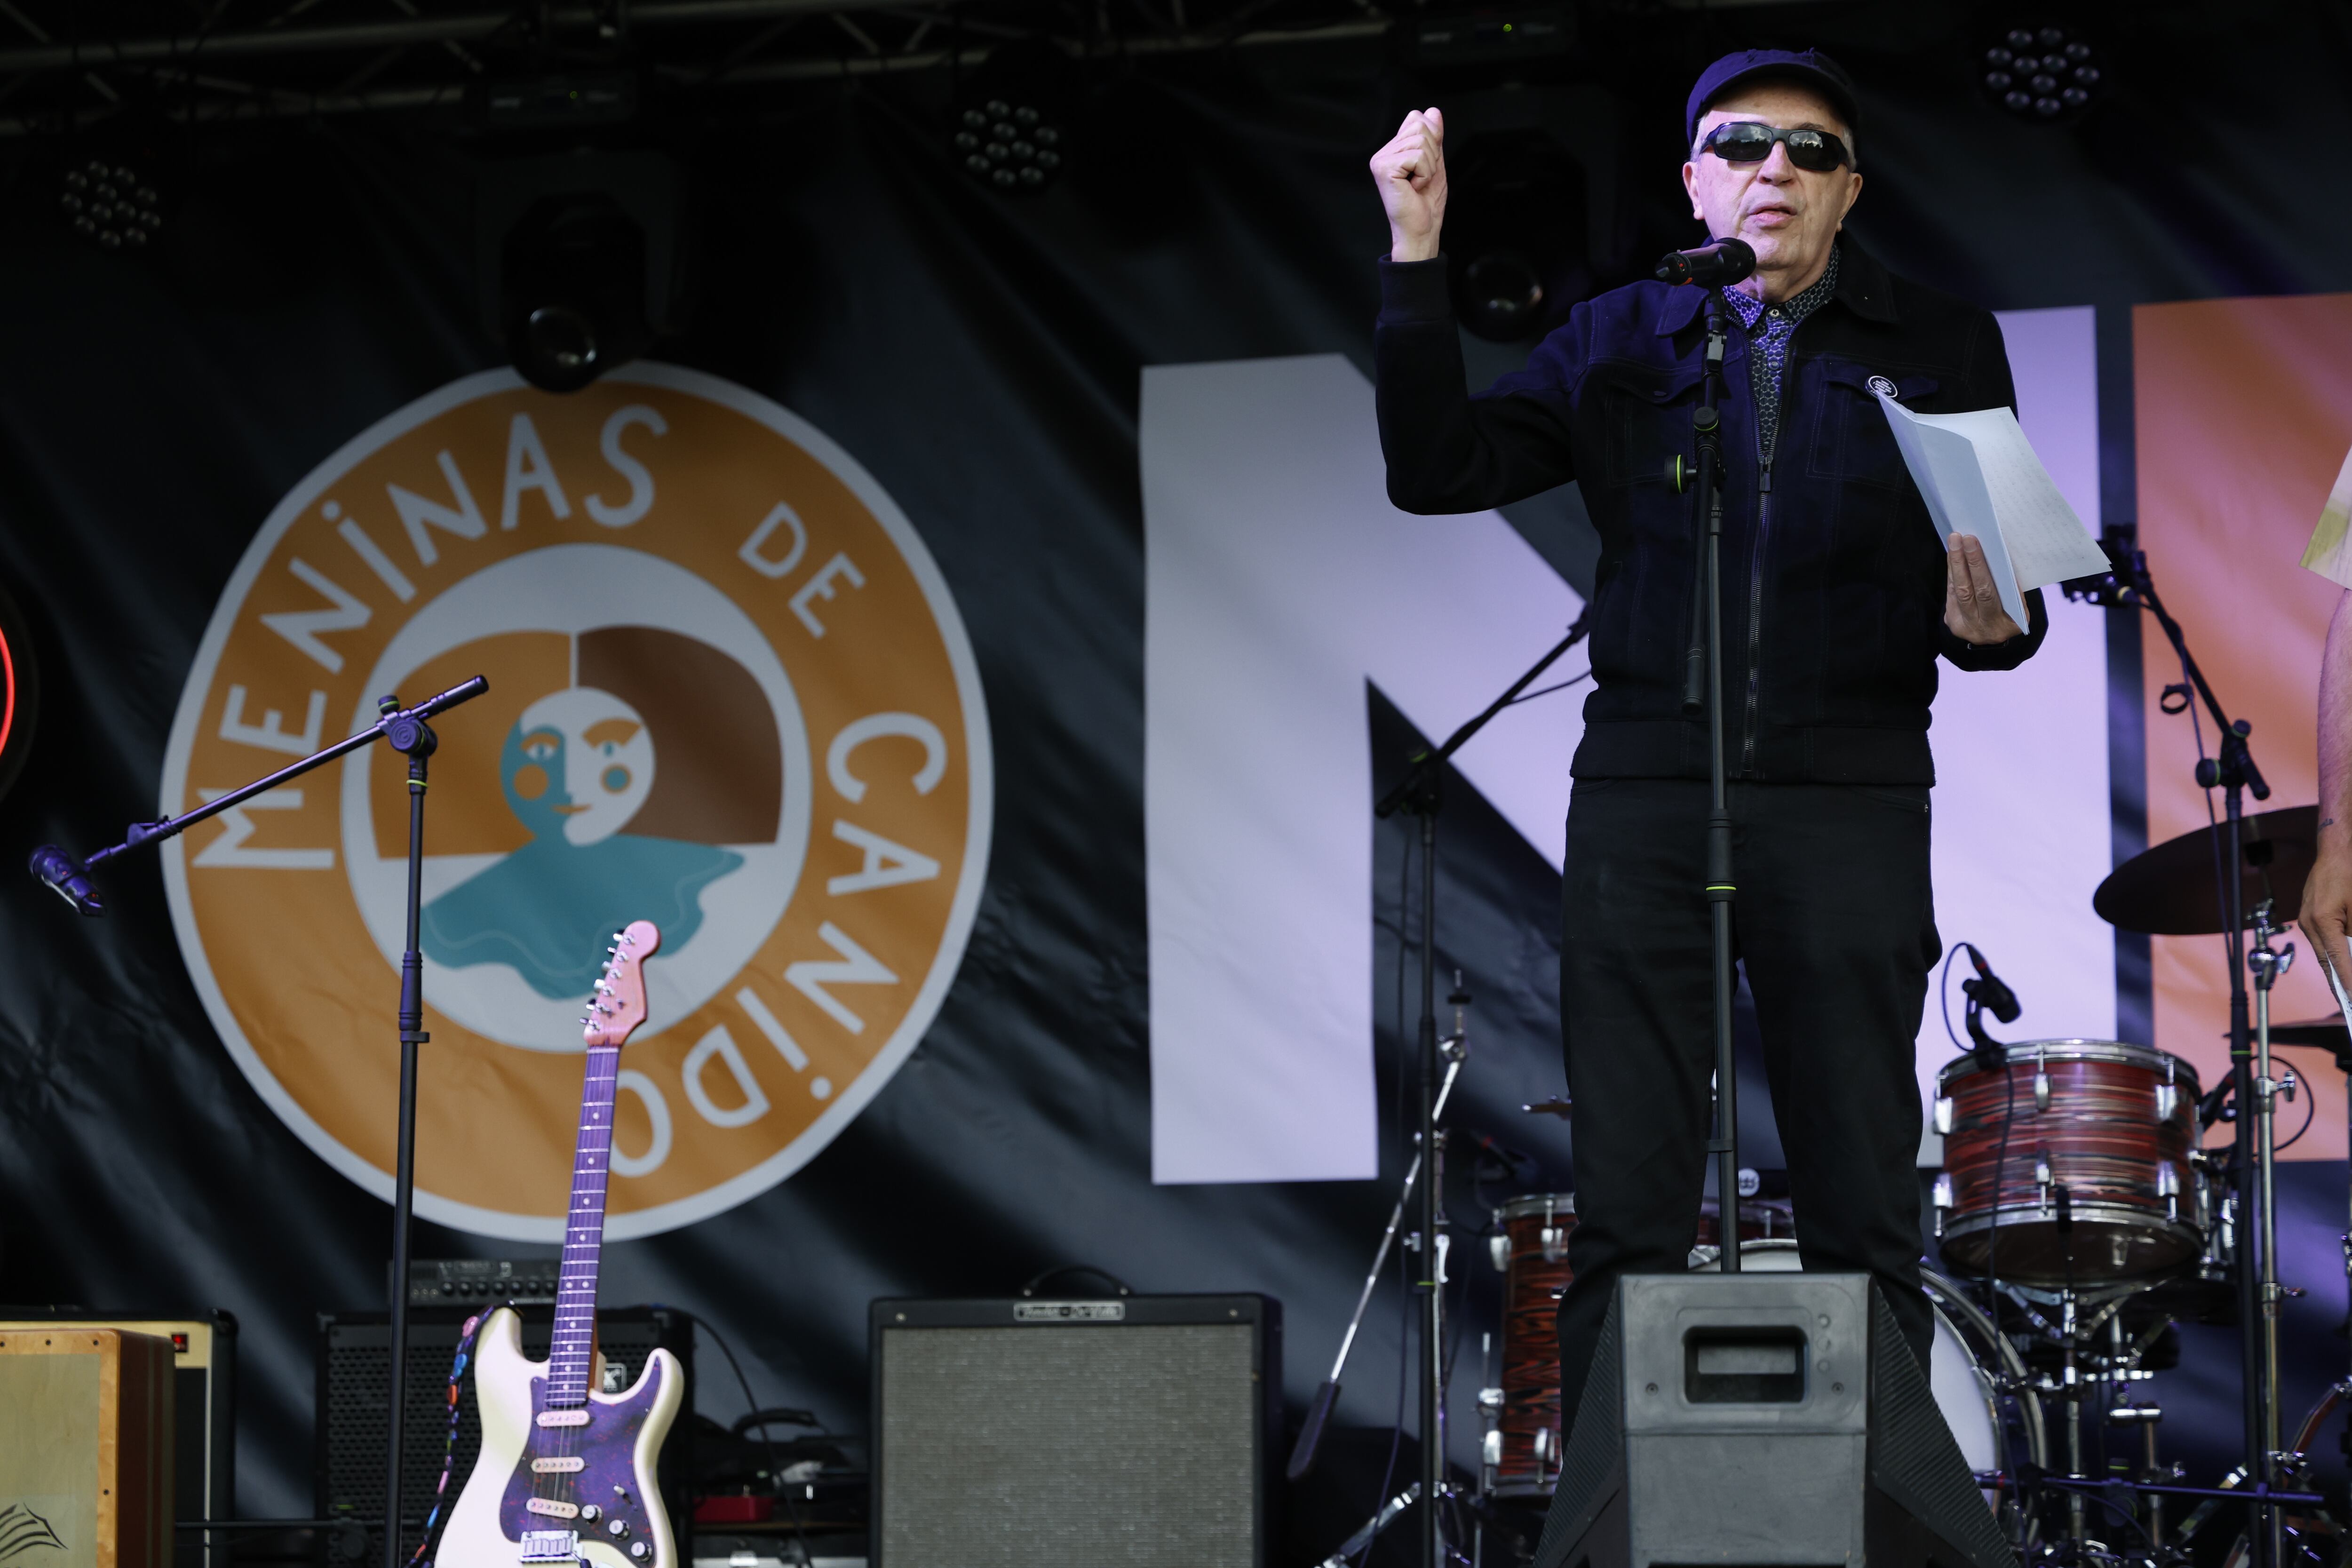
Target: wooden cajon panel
{"x":85,"y":1452}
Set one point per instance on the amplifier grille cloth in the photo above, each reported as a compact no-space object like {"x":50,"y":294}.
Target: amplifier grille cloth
{"x":1041,"y":1447}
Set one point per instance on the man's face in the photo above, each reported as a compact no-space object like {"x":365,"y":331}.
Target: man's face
{"x":1790,"y":216}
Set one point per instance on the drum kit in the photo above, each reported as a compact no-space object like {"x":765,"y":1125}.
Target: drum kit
{"x":2080,"y":1218}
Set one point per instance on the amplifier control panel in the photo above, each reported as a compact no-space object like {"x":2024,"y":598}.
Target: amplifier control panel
{"x":477,"y":1282}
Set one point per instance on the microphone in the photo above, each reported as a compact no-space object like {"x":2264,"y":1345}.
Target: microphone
{"x":68,"y":878}
{"x":1718,"y":261}
{"x":1988,"y":990}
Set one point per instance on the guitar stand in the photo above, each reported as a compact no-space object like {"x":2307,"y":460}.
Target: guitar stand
{"x":405,"y":730}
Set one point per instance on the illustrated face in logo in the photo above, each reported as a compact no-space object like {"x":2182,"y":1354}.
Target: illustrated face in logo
{"x":727,"y":693}
{"x":576,"y":768}
{"x":579,"y":763}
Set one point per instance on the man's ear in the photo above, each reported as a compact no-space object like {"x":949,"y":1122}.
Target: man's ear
{"x":1690,"y":189}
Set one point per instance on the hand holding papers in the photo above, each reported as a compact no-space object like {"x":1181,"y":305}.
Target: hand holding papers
{"x":1980,"y":477}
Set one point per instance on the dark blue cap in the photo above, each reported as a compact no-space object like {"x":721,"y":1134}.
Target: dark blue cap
{"x":1807,"y":68}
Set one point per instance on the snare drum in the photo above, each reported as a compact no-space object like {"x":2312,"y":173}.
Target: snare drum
{"x":1535,"y":1232}
{"x":1761,"y":1220}
{"x":2111,"y":1122}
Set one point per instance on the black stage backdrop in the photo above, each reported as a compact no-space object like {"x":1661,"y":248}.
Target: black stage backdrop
{"x":981,"y":357}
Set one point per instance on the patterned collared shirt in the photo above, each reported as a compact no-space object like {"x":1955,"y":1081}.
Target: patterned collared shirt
{"x":1767,"y":348}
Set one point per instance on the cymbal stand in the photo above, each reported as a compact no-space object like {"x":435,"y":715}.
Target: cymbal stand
{"x":2266,"y":965}
{"x":2232,"y":770}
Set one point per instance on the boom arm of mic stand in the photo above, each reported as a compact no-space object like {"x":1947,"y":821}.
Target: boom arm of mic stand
{"x":144,"y":833}
{"x":2132,"y":576}
{"x":1426,"y":765}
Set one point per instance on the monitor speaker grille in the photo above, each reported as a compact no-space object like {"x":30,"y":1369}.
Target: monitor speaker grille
{"x":1084,"y":1447}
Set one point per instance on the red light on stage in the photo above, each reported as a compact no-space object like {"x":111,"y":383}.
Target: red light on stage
{"x":20,"y":689}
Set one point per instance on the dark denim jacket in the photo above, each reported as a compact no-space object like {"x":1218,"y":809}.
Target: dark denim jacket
{"x":1833,"y":575}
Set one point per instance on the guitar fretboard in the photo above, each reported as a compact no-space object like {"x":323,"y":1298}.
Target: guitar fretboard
{"x":575,"y":1348}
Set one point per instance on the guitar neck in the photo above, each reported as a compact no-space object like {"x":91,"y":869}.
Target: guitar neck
{"x":574,"y":1350}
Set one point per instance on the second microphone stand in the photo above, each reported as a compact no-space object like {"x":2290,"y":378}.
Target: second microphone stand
{"x":2233,"y":768}
{"x":1417,"y":792}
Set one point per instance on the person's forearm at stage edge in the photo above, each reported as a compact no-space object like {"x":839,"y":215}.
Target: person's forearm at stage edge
{"x":2327,"y":895}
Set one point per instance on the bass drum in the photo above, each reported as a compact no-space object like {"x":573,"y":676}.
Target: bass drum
{"x":1966,"y":1392}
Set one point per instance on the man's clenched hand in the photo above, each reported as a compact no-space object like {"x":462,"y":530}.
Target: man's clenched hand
{"x":1972,"y":610}
{"x":1410,"y":172}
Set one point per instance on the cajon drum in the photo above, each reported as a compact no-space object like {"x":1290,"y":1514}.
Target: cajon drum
{"x":85,"y":1448}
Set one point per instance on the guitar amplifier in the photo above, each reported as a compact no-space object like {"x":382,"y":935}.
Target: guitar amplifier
{"x":86,"y":1446}
{"x":1039,"y":1434}
{"x":203,"y":1411}
{"x":354,"y":1368}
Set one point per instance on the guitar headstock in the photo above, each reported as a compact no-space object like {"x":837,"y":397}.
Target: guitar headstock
{"x":619,"y":1004}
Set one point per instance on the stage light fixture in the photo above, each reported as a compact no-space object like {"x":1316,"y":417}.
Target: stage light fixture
{"x":1012,"y":131}
{"x":112,"y":205}
{"x":1516,"y":232}
{"x":2045,"y":73}
{"x":1010,"y":145}
{"x":581,"y":262}
{"x":575,"y":277}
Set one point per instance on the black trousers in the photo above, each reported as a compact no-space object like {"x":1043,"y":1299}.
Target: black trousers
{"x":1834,"y":924}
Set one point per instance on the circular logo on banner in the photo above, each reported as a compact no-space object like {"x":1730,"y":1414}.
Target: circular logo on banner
{"x":729,"y":693}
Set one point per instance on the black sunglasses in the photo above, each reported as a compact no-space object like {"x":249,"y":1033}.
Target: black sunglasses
{"x":1750,"y":141}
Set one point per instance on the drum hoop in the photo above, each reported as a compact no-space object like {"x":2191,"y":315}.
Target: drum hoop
{"x":2023,"y":1052}
{"x":1536,"y":1202}
{"x":2013,"y":1217}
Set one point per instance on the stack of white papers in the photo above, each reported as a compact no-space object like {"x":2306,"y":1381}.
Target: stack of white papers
{"x":1979,"y":475}
{"x":2329,"y":553}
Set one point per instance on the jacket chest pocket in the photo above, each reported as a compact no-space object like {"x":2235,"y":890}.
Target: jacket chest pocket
{"x":1645,"y":419}
{"x":1854,"y":443}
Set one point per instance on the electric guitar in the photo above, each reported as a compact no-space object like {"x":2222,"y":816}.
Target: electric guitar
{"x":566,"y":1474}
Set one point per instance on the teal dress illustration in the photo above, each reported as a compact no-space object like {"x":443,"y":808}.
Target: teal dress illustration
{"x":549,"y":910}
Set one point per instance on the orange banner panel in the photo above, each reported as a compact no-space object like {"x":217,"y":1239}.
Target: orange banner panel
{"x":2244,"y":412}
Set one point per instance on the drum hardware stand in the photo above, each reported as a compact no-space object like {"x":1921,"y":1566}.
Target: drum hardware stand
{"x":2266,"y":965}
{"x":2232,"y":770}
{"x":1457,"y":1051}
{"x":1418,"y":793}
{"x":405,"y":730}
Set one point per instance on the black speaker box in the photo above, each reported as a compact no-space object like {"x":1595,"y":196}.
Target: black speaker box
{"x":354,"y":1371}
{"x":1031,"y":1434}
{"x":203,"y":1379}
{"x":1750,"y":1420}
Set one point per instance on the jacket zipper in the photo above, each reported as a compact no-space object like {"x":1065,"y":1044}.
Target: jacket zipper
{"x":1756,"y":610}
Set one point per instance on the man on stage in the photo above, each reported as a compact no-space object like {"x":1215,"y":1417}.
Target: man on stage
{"x":1837,"y":601}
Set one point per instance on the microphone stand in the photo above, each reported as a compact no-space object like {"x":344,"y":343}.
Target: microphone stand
{"x":1418,"y":791}
{"x":1703,"y":689}
{"x":405,"y":730}
{"x":2130,"y":586}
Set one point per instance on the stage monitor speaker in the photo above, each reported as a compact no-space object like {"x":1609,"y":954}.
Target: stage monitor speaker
{"x":354,"y":1368}
{"x":85,"y":1447}
{"x":1035,"y":1434}
{"x":1755,"y":1419}
{"x":203,"y":1411}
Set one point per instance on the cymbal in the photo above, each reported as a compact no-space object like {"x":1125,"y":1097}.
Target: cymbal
{"x":2169,"y":890}
{"x":2328,"y":1032}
